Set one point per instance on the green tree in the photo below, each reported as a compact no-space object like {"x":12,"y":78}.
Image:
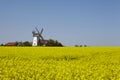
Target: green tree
{"x":16,"y":43}
{"x":27,"y":43}
{"x":1,"y":44}
{"x":76,"y":45}
{"x":52,"y":42}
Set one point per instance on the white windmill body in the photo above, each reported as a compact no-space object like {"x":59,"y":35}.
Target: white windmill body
{"x":35,"y":41}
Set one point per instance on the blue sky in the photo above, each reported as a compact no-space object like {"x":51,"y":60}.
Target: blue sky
{"x":91,"y":22}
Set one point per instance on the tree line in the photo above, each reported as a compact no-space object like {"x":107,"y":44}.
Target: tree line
{"x":50,"y":42}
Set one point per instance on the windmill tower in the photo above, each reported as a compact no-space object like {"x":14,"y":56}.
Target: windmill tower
{"x":37,"y":37}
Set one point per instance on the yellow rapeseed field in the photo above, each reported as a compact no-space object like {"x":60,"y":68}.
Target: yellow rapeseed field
{"x":59,"y":63}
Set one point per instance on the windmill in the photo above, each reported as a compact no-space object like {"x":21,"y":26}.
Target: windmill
{"x":37,"y":37}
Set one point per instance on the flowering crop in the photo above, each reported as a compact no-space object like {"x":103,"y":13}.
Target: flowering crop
{"x":59,"y":63}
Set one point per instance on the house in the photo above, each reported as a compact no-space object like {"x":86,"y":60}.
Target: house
{"x":10,"y":44}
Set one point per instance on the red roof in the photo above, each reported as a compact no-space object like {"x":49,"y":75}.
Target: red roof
{"x":10,"y":44}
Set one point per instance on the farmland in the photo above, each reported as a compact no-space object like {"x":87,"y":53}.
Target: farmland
{"x":59,"y":63}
